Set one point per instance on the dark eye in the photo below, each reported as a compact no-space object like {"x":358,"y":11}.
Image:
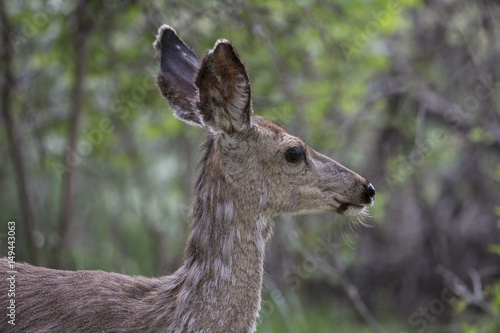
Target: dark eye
{"x":294,"y":154}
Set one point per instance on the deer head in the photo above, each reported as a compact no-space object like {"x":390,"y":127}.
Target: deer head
{"x":266,"y":169}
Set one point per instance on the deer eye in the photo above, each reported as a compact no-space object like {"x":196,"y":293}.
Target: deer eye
{"x":294,"y":154}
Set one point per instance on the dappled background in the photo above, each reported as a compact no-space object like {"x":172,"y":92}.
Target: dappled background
{"x":97,"y":172}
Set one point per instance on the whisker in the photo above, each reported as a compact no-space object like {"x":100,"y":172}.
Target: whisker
{"x":363,"y":218}
{"x":350,"y":243}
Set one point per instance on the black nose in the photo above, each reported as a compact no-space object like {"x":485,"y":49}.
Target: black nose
{"x":370,"y":190}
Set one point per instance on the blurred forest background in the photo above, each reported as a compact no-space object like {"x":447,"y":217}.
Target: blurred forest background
{"x":97,"y":172}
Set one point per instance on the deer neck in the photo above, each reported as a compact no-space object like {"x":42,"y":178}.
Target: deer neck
{"x":224,"y":261}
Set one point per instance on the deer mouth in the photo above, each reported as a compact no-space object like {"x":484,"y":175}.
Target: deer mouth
{"x":350,"y":209}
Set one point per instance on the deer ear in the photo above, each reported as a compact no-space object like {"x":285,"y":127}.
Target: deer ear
{"x":179,"y":65}
{"x":224,"y":90}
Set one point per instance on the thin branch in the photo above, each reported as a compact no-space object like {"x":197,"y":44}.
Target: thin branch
{"x":471,"y":298}
{"x":15,"y":142}
{"x":81,"y":52}
{"x":477,"y":286}
{"x":469,"y":54}
{"x":351,"y":290}
{"x":436,"y":106}
{"x":336,"y":269}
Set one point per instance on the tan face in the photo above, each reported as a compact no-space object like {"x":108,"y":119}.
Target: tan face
{"x":293,"y":178}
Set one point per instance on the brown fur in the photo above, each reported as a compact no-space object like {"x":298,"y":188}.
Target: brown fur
{"x":245,"y":179}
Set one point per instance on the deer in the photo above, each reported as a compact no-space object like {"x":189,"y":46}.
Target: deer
{"x":251,"y":171}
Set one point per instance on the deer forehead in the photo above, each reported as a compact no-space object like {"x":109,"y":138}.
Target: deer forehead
{"x":275,"y":133}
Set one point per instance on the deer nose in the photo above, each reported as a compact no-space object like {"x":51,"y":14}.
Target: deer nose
{"x":369,"y":190}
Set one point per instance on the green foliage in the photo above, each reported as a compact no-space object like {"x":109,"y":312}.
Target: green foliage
{"x":490,"y":323}
{"x":348,"y":77}
{"x":480,"y":323}
{"x":284,"y":314}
